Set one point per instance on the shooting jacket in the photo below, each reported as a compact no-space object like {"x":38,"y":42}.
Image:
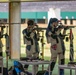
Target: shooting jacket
{"x":55,"y":42}
{"x":31,"y":40}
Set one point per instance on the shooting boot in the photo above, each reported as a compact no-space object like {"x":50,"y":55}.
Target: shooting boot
{"x":61,"y":72}
{"x":47,"y":73}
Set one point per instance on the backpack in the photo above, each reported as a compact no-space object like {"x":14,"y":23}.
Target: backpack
{"x":12,"y":71}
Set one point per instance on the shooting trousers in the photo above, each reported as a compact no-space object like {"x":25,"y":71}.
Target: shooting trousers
{"x":56,"y":50}
{"x":31,"y":51}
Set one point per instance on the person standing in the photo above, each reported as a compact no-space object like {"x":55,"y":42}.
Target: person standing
{"x":53,"y":37}
{"x":31,"y":39}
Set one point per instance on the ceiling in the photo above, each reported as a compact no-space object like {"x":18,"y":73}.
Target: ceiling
{"x":42,"y":6}
{"x":31,"y":0}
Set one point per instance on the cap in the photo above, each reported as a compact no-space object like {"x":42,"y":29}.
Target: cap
{"x":30,"y":22}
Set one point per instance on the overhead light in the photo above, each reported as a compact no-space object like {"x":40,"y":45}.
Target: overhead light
{"x":44,"y":17}
{"x":66,"y":17}
{"x":72,"y":17}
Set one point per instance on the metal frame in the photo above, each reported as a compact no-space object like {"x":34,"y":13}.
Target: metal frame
{"x":36,"y":62}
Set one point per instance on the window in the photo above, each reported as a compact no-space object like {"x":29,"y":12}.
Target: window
{"x":65,"y":21}
{"x":41,"y":21}
{"x":3,"y":20}
{"x":71,"y":21}
{"x":22,"y":21}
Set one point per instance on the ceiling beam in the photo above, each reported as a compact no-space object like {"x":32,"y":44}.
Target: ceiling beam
{"x":7,"y":1}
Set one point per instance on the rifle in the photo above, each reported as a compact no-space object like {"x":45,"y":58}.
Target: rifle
{"x":60,"y":26}
{"x":66,"y":26}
